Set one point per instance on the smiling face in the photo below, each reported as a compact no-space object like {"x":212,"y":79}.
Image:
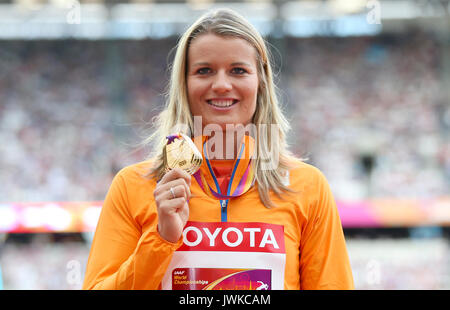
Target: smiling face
{"x":222,"y":80}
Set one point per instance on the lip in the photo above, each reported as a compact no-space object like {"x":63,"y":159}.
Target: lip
{"x":222,"y":108}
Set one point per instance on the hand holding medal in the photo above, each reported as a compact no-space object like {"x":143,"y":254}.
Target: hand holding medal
{"x":172,"y":193}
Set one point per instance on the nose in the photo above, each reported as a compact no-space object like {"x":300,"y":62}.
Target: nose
{"x":221,"y":83}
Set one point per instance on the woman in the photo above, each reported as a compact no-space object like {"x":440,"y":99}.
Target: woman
{"x":257,"y":218}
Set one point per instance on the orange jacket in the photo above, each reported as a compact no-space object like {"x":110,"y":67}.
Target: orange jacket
{"x":128,"y":253}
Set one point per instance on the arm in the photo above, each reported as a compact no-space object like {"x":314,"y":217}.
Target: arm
{"x":324,"y":262}
{"x":124,"y":255}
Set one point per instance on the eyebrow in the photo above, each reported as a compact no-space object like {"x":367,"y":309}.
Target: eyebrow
{"x":233,"y":64}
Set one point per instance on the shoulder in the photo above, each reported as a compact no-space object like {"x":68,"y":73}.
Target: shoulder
{"x":132,"y":187}
{"x":135,"y":169}
{"x":307,"y":180}
{"x":136,"y":173}
{"x":302,"y":173}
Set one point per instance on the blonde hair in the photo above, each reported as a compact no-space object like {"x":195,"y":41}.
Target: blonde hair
{"x":226,"y":22}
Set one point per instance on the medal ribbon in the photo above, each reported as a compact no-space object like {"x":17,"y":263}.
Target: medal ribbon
{"x":170,"y":138}
{"x":242,"y":176}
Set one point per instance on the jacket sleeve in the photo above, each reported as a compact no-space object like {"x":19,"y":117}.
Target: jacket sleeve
{"x":324,"y":261}
{"x":123,"y":254}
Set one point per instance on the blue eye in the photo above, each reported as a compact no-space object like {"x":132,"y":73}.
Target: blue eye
{"x":239,"y":70}
{"x":203,"y":71}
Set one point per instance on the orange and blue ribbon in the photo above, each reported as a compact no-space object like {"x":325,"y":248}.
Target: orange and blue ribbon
{"x":242,"y":176}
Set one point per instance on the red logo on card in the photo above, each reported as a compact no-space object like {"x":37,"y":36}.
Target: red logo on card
{"x":230,"y":236}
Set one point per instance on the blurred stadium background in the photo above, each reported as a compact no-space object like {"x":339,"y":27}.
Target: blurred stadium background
{"x":366,"y":85}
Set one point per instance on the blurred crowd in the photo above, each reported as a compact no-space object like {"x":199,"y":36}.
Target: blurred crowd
{"x":370,"y":112}
{"x":69,"y":112}
{"x":400,"y":264}
{"x":42,"y":263}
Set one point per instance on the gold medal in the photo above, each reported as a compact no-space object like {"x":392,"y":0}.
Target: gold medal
{"x":181,"y":152}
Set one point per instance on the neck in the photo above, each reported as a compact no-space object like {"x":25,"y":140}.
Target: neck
{"x":224,"y":145}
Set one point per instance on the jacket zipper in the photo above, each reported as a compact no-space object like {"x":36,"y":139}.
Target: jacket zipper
{"x":224,"y":210}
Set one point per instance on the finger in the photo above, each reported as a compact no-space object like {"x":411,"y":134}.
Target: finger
{"x":172,"y":206}
{"x":177,"y":191}
{"x":174,"y":174}
{"x":162,"y":189}
{"x":183,"y":188}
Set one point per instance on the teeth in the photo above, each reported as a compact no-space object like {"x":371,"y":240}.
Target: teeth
{"x":221,"y":103}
